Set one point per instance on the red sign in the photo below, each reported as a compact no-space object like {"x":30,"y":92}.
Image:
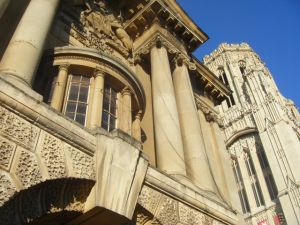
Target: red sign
{"x":277,"y":220}
{"x":264,"y":222}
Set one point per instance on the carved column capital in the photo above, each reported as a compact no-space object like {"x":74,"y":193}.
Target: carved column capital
{"x":64,"y":67}
{"x":98,"y":72}
{"x":126,"y":91}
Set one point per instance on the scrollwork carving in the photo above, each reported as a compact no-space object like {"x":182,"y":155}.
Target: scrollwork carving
{"x":7,"y":188}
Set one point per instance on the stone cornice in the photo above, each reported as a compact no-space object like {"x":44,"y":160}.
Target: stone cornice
{"x":171,"y":15}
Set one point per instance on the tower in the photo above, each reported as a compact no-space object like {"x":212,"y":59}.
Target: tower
{"x":262,"y":131}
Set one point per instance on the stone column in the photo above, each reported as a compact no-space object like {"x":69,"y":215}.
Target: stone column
{"x":22,"y":56}
{"x":3,"y":6}
{"x":126,"y":119}
{"x":97,"y":101}
{"x":196,"y":160}
{"x":169,"y":148}
{"x":60,"y":88}
{"x":136,"y":126}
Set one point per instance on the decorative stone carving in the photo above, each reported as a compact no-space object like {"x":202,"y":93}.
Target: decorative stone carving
{"x":168,"y":211}
{"x":190,"y":216}
{"x":7,"y":188}
{"x":149,"y":199}
{"x":98,"y":28}
{"x":18,"y":129}
{"x":27,"y":169}
{"x":83,"y":165}
{"x":7,"y":150}
{"x":53,"y":156}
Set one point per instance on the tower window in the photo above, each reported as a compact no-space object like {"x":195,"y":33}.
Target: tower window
{"x":77,"y":98}
{"x":241,"y":188}
{"x":254,"y":181}
{"x":267,"y":174}
{"x":109,"y":114}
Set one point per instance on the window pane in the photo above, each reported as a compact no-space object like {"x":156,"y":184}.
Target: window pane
{"x":73,"y":92}
{"x":112,"y":123}
{"x":106,"y":104}
{"x":104,"y":117}
{"x":80,"y":118}
{"x":104,"y":125}
{"x":83,"y":96}
{"x":71,"y":106}
{"x":76,"y":78}
{"x":81,"y":108}
{"x":70,"y":115}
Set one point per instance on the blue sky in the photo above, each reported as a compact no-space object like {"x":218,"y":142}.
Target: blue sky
{"x":271,"y":27}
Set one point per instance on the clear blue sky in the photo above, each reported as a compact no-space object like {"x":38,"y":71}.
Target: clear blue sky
{"x":271,"y":27}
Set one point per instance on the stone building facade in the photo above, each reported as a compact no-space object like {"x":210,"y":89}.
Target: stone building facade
{"x":106,"y":117}
{"x":262,"y":133}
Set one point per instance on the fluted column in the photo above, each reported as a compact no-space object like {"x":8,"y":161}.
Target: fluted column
{"x":97,"y":101}
{"x":60,"y":87}
{"x":3,"y":6}
{"x":126,"y":110}
{"x":136,"y":126}
{"x":196,"y":160}
{"x":168,"y":142}
{"x":25,"y":49}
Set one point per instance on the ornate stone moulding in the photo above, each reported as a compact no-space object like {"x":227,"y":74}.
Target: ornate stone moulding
{"x":239,"y":134}
{"x":180,"y":24}
{"x":97,"y":60}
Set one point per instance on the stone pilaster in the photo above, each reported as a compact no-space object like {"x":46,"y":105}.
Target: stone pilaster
{"x":97,"y":101}
{"x":196,"y":160}
{"x":22,"y":56}
{"x":169,"y":148}
{"x":60,"y":87}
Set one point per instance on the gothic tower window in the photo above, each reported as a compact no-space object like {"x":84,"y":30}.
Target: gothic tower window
{"x":267,"y":174}
{"x":223,"y":77}
{"x":241,"y":187}
{"x":109,"y":114}
{"x":77,"y":98}
{"x":254,"y":180}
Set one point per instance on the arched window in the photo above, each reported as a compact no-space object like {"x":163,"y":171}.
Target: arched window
{"x":77,"y":98}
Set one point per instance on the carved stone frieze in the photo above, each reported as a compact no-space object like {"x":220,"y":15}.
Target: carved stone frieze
{"x":83,"y":164}
{"x":7,"y":188}
{"x":27,"y":169}
{"x":52,"y":154}
{"x":149,"y":199}
{"x":7,"y":150}
{"x":17,"y":129}
{"x":168,"y":211}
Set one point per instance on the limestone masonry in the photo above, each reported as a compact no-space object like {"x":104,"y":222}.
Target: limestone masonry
{"x":107,"y":118}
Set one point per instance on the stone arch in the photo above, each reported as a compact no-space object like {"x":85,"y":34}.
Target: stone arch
{"x":59,"y":201}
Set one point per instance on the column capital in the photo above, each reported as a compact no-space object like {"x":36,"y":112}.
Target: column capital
{"x":98,"y":72}
{"x":65,"y":67}
{"x":183,"y":60}
{"x":126,"y":91}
